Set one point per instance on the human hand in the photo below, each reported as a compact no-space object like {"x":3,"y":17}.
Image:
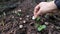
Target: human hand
{"x":44,"y":7}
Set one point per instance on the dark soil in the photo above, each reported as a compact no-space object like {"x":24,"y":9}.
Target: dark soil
{"x":11,"y":19}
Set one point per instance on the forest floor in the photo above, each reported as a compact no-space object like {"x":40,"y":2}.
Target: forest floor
{"x":19,"y":20}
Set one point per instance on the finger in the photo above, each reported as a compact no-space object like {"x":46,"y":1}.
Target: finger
{"x":38,"y":13}
{"x":36,"y":9}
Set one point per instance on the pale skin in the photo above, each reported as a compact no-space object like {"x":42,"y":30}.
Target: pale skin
{"x":44,"y":7}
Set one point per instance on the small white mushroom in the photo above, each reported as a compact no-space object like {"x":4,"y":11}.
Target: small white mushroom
{"x":19,"y":10}
{"x":57,"y":27}
{"x":20,"y":26}
{"x":52,"y":26}
{"x":16,"y":12}
{"x":12,"y":16}
{"x":11,"y":31}
{"x":46,"y":23}
{"x":27,"y":16}
{"x":33,"y":17}
{"x":4,"y":13}
{"x":20,"y":18}
{"x":24,"y":21}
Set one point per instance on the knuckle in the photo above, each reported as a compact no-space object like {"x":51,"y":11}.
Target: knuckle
{"x":35,"y":8}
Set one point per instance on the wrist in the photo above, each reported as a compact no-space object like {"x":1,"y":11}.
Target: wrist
{"x":53,"y":5}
